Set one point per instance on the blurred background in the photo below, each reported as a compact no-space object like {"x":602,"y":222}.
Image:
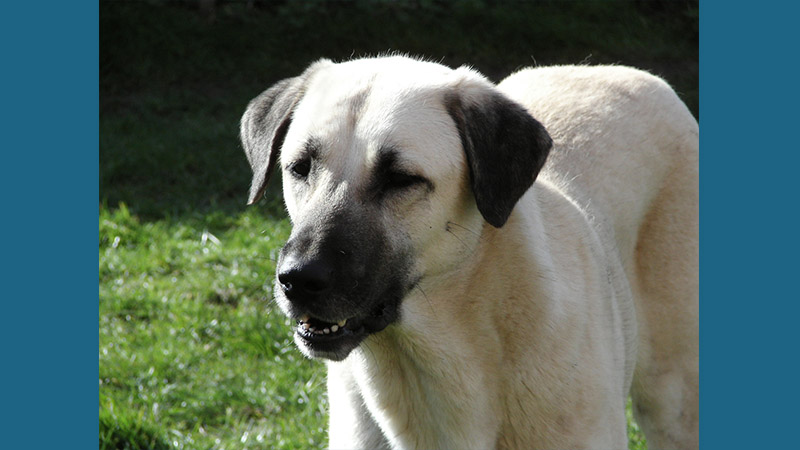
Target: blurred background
{"x":192,"y":351}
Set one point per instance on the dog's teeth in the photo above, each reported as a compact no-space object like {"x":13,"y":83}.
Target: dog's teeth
{"x":305,"y":318}
{"x":305,"y":326}
{"x":311,"y":329}
{"x":318,"y":332}
{"x":334,"y":328}
{"x":342,"y":322}
{"x":327,"y":331}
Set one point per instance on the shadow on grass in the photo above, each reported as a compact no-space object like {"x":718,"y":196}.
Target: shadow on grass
{"x":174,"y":82}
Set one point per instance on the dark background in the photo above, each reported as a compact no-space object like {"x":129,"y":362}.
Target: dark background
{"x":175,"y":77}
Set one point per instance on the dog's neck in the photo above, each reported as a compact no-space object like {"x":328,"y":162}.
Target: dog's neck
{"x":414,"y":375}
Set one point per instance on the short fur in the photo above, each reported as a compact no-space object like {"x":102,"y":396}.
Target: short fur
{"x":485,"y":310}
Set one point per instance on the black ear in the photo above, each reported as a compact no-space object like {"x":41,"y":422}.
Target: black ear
{"x":505,"y":147}
{"x":265,"y":123}
{"x":263,"y":128}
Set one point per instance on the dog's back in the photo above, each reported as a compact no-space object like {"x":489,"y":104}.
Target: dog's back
{"x":626,"y":150}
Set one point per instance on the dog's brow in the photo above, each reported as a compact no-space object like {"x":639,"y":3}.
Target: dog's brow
{"x":311,"y":148}
{"x":387,"y":159}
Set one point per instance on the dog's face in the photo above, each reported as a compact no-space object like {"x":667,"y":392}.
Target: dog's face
{"x":380,"y":159}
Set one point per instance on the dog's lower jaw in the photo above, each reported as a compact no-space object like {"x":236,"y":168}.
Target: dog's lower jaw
{"x":336,"y":351}
{"x":338,"y":342}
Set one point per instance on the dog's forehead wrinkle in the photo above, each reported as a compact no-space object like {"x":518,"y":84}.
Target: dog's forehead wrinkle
{"x":355,"y":106}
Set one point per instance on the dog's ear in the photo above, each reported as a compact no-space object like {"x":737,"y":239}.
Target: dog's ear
{"x":265,"y":123}
{"x":263,"y":128}
{"x":505,"y":147}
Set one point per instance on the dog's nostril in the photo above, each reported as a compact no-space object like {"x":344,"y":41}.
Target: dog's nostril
{"x":312,"y":278}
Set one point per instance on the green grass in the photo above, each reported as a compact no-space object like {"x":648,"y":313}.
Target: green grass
{"x":193,"y":352}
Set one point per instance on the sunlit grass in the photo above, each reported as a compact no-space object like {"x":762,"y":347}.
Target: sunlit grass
{"x":636,"y":439}
{"x":192,"y":351}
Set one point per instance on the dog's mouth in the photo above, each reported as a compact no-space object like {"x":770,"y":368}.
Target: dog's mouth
{"x":309,"y":327}
{"x":335,"y":340}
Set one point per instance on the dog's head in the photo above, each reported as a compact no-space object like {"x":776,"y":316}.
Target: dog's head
{"x":380,"y":158}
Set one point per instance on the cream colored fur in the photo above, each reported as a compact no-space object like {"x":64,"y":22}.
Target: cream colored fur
{"x":530,"y":336}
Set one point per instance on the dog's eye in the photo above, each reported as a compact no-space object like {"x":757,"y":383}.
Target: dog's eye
{"x":399,"y":180}
{"x":301,"y":169}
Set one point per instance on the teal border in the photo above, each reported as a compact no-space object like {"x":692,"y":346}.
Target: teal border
{"x":749,"y":231}
{"x":49,"y":223}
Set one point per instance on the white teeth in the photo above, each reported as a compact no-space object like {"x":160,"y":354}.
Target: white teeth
{"x":306,"y":326}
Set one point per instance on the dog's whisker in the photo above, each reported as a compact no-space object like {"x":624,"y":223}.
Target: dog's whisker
{"x":426,"y":298}
{"x":459,"y":239}
{"x":272,"y":301}
{"x":465,"y":228}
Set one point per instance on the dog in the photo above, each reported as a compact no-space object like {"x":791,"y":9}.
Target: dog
{"x":488,"y":266}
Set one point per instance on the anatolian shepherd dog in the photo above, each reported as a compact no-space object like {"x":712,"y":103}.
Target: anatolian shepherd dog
{"x":458,"y":303}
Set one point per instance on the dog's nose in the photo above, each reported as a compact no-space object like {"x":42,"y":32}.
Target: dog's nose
{"x":305,"y":280}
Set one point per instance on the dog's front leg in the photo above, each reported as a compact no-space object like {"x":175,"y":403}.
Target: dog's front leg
{"x":351,"y":426}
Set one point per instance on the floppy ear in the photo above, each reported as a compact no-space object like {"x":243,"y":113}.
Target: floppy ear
{"x":263,"y":128}
{"x":505,"y":147}
{"x":265,"y":123}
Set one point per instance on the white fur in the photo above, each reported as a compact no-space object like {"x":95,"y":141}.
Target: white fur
{"x":531,"y":335}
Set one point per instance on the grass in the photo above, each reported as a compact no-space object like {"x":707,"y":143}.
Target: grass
{"x":193,"y":352}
